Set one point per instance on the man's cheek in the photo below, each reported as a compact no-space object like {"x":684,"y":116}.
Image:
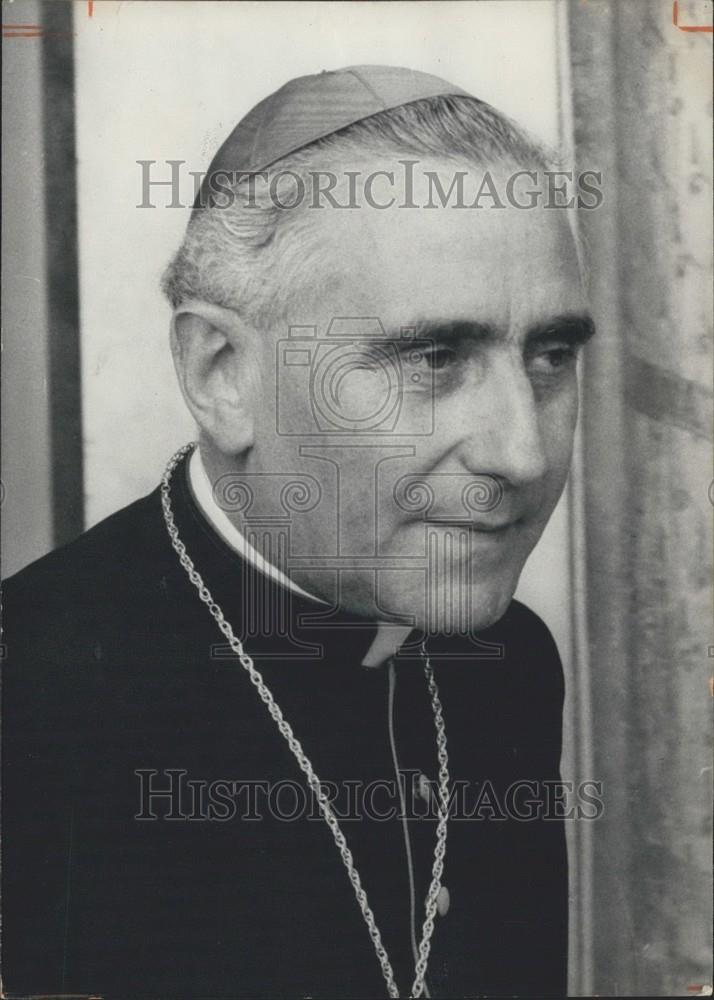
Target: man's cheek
{"x":557,"y":433}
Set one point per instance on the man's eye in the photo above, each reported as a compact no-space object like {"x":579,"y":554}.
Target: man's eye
{"x":552,"y":361}
{"x":440,"y":357}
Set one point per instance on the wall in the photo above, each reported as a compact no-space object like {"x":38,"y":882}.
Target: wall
{"x":647,"y":434}
{"x":26,"y":455}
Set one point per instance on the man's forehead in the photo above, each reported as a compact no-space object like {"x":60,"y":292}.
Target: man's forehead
{"x":375,"y":195}
{"x":403,"y":252}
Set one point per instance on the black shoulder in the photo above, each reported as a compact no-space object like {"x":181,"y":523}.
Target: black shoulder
{"x":68,"y":619}
{"x":109,"y":543}
{"x":97,"y":567}
{"x":520,"y":620}
{"x":529,"y":647}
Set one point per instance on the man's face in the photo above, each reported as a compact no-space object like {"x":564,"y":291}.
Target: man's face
{"x":441,"y":439}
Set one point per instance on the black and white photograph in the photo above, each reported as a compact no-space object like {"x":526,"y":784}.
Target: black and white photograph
{"x":357,"y":499}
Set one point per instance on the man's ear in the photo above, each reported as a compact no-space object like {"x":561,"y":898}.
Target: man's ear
{"x":215,"y":356}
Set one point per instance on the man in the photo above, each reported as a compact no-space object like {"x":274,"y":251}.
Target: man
{"x":279,"y":729}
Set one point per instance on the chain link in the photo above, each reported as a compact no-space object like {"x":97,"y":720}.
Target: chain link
{"x":306,"y":767}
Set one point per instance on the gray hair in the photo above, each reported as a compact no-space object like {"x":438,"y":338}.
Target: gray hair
{"x":231,"y":256}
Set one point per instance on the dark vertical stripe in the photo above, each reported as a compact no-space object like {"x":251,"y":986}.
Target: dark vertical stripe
{"x":60,"y":169}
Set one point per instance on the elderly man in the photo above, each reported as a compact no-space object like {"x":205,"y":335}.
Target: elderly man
{"x":279,"y":729}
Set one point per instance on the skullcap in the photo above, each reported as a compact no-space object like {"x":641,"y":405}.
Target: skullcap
{"x":311,"y":107}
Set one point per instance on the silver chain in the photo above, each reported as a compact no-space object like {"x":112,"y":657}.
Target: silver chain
{"x":306,"y":767}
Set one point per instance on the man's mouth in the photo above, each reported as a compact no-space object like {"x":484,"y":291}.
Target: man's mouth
{"x":491,"y":526}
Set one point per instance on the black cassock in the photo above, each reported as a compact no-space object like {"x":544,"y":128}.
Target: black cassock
{"x":117,"y":682}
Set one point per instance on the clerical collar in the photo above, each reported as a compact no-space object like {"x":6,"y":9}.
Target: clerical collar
{"x":388,"y":638}
{"x":203,"y":495}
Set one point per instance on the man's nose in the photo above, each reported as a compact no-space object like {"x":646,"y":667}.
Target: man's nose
{"x":502,"y":432}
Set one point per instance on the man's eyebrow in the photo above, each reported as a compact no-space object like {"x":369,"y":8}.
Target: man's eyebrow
{"x":575,"y":328}
{"x":448,"y":329}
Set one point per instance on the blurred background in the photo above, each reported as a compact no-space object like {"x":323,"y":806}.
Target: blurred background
{"x":91,"y":411}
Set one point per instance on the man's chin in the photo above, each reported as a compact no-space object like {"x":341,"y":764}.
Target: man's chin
{"x":451,"y":609}
{"x":449,"y":605}
{"x":481,"y":617}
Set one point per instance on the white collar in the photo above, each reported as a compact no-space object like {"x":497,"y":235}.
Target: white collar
{"x":203,"y":494}
{"x":388,"y":638}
